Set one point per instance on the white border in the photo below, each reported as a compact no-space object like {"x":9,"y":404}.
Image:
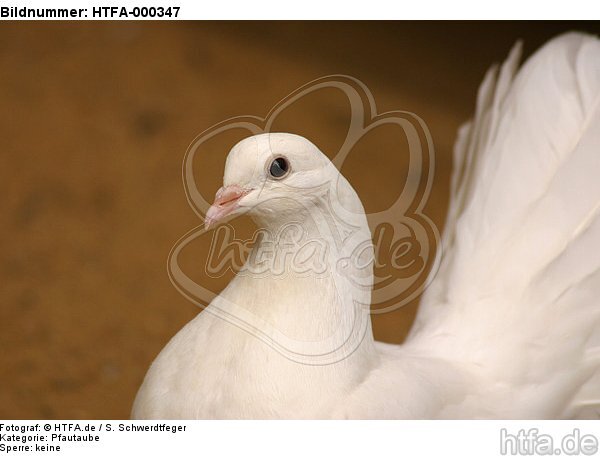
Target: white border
{"x":348,"y":9}
{"x":303,"y":438}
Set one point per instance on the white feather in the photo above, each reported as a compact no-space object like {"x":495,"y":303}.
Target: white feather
{"x":519,"y":294}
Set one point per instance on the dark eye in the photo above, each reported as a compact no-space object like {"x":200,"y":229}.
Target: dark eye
{"x":279,"y":168}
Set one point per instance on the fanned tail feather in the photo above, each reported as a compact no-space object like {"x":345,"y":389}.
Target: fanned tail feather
{"x":518,"y":291}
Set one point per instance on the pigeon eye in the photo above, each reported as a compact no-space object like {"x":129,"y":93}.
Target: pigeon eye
{"x":279,"y":168}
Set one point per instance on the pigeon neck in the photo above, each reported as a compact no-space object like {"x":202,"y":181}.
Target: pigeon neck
{"x":314,"y":243}
{"x":308,"y":282}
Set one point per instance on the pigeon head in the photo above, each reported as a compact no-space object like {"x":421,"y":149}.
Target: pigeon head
{"x":275,"y":178}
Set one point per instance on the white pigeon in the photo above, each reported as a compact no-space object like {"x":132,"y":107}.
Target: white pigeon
{"x":508,"y":328}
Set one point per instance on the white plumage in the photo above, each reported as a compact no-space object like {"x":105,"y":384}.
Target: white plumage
{"x":510,"y":326}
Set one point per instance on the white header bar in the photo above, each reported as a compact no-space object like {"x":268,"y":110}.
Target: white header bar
{"x":305,"y":9}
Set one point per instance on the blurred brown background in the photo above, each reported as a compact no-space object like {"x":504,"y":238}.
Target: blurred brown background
{"x":94,"y":121}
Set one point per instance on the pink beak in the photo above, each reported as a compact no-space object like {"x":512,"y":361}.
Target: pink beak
{"x":226,"y":201}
